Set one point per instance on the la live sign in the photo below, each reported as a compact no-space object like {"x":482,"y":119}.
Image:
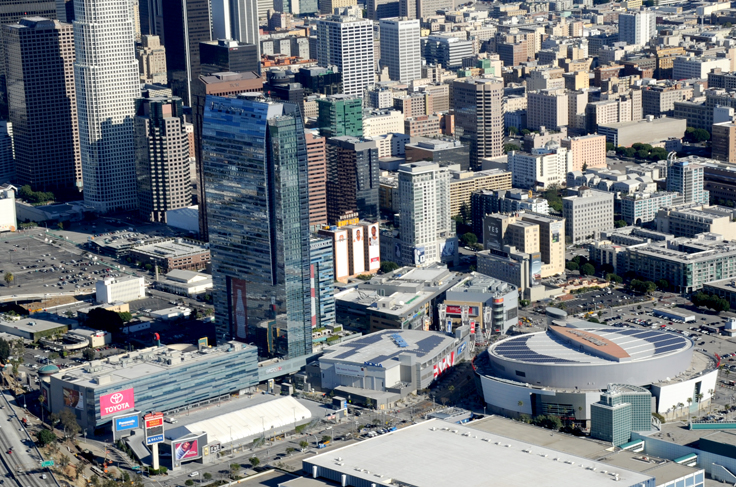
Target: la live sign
{"x":117,"y":402}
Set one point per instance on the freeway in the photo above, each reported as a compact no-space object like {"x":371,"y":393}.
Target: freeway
{"x":22,"y":467}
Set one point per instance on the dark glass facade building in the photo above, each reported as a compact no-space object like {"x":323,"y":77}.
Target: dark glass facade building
{"x":228,"y":56}
{"x":255,"y":183}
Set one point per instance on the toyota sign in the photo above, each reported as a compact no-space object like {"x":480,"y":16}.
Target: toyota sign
{"x":117,"y":402}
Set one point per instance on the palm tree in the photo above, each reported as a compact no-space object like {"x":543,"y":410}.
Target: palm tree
{"x":41,"y":399}
{"x":689,"y":403}
{"x":699,"y":397}
{"x":711,"y":393}
{"x":680,"y":406}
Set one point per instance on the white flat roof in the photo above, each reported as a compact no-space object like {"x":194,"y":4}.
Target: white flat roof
{"x":457,"y":455}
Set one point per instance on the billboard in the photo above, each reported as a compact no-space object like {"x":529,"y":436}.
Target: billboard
{"x":124,"y":423}
{"x":556,"y":230}
{"x":443,"y":364}
{"x":458,"y":310}
{"x":342,"y":269}
{"x":349,"y":370}
{"x":536,"y":266}
{"x":239,"y":307}
{"x":154,"y":423}
{"x":448,"y":248}
{"x":449,"y":326}
{"x":73,"y":399}
{"x":203,"y":342}
{"x":397,"y":252}
{"x":358,"y":247}
{"x":472,"y":327}
{"x":188,"y":449}
{"x":419,"y":255}
{"x":117,"y":402}
{"x":492,"y":234}
{"x":373,"y":247}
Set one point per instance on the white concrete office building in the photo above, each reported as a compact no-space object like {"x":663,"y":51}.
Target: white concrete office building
{"x":347,"y":42}
{"x":400,"y":48}
{"x":237,"y":20}
{"x":107,"y":83}
{"x":543,"y":167}
{"x":123,"y":289}
{"x":637,"y":28}
{"x":587,"y":214}
{"x":427,"y":234}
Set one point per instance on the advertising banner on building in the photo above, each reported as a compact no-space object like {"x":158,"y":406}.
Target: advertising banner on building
{"x":419,"y":256}
{"x":374,"y":247}
{"x":342,"y":269}
{"x":472,"y":327}
{"x":448,"y":249}
{"x":536,"y":266}
{"x":449,"y":326}
{"x":188,"y":449}
{"x":492,"y":234}
{"x":123,"y":423}
{"x":117,"y":402}
{"x":444,"y":364}
{"x":358,"y":247}
{"x":154,"y":424}
{"x":73,"y":399}
{"x":349,"y":370}
{"x":458,"y":310}
{"x":556,"y":230}
{"x":239,"y":308}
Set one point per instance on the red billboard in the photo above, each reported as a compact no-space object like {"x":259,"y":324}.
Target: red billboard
{"x":239,"y":307}
{"x":117,"y":402}
{"x":458,"y":310}
{"x":186,"y":449}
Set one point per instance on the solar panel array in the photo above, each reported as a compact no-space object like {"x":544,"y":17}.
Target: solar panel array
{"x":663,"y":342}
{"x":518,"y":349}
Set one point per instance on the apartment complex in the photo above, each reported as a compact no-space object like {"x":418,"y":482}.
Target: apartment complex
{"x":587,"y":150}
{"x":587,"y":214}
{"x":479,"y":116}
{"x":465,"y":183}
{"x":317,"y":177}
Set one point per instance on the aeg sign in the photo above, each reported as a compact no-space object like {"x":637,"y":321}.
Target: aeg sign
{"x":444,"y":364}
{"x":117,"y":402}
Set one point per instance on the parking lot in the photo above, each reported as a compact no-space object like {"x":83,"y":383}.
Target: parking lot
{"x":39,"y":266}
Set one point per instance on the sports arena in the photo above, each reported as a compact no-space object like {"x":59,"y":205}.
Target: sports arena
{"x":564,"y":369}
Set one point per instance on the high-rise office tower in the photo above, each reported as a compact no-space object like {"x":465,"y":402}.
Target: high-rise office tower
{"x":637,"y":28}
{"x":151,"y":57}
{"x":479,"y":116}
{"x":161,"y":157}
{"x":10,"y":13}
{"x":107,"y":84}
{"x":65,"y":10}
{"x":400,"y":49}
{"x":185,"y":24}
{"x":237,"y":20}
{"x":7,"y":152}
{"x":352,"y":178}
{"x":347,"y":42}
{"x":42,"y":103}
{"x":218,"y":84}
{"x":317,"y":157}
{"x":329,"y":6}
{"x":224,"y":56}
{"x":382,"y":9}
{"x":427,"y":234}
{"x":255,"y":180}
{"x":687,"y":179}
{"x":340,"y":115}
{"x":322,"y":262}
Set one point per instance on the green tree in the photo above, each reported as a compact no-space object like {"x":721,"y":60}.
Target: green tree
{"x":69,"y":423}
{"x":614,"y":278}
{"x":587,"y":269}
{"x":290,"y":450}
{"x":9,"y":278}
{"x":630,"y":152}
{"x":701,"y":135}
{"x":524,"y":303}
{"x":303,"y":445}
{"x":102,"y":319}
{"x":234,"y":469}
{"x":663,"y":284}
{"x":4,"y":350}
{"x":189,"y":483}
{"x":571,"y":266}
{"x":46,"y":437}
{"x":620,"y":223}
{"x":388,"y":266}
{"x":513,"y":130}
{"x":125,"y":316}
{"x":254,"y":461}
{"x":642,"y":154}
{"x":525,"y":131}
{"x":469,"y":238}
{"x":510,"y":147}
{"x":326,"y":438}
{"x":54,"y":356}
{"x":207,"y":476}
{"x":610,"y":146}
{"x":89,"y":354}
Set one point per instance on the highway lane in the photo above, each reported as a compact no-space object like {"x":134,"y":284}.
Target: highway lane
{"x":23,"y":465}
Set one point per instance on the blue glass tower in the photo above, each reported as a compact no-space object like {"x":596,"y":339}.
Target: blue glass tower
{"x":255,"y":182}
{"x":323,"y":282}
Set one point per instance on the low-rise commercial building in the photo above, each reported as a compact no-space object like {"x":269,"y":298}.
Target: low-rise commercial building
{"x":484,"y":202}
{"x":638,"y":208}
{"x":405,"y":299}
{"x":689,"y":221}
{"x":151,"y":379}
{"x":542,"y":168}
{"x":169,"y":254}
{"x":587,"y":150}
{"x":445,"y":152}
{"x":34,"y":328}
{"x":120,"y":289}
{"x":185,"y":283}
{"x":645,"y":131}
{"x":485,"y":297}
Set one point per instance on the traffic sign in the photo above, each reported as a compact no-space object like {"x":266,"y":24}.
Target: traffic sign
{"x":47,"y":463}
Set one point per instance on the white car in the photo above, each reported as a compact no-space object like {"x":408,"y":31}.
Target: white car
{"x":194,"y":474}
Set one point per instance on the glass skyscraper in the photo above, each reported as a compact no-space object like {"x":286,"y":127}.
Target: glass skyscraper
{"x":255,"y":183}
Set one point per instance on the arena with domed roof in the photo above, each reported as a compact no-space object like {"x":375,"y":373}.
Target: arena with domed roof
{"x":567,"y":367}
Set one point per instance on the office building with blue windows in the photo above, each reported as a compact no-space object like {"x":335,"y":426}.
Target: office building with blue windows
{"x":152,"y":379}
{"x":255,"y":185}
{"x":322,"y":271}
